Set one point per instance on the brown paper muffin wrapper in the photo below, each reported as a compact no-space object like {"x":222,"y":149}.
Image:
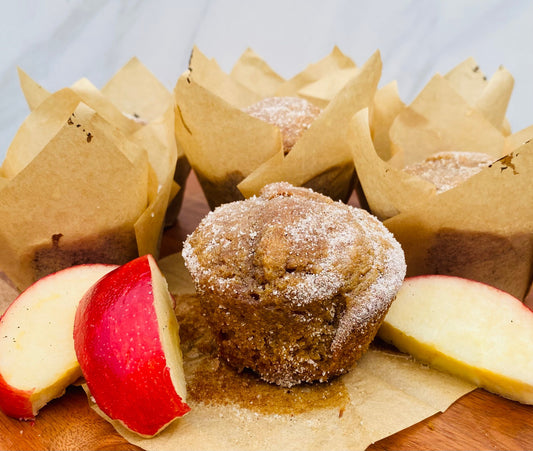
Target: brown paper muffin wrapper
{"x":235,"y":155}
{"x":137,"y":92}
{"x":459,"y":111}
{"x":251,"y":71}
{"x":483,"y":228}
{"x":385,"y":393}
{"x":142,"y":108}
{"x":85,"y":180}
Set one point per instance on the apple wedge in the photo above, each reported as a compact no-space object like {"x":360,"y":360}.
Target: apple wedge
{"x":126,"y":337}
{"x":466,"y":328}
{"x":37,"y":358}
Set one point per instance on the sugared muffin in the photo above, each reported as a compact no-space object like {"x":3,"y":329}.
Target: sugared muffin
{"x":293,"y":284}
{"x":292,"y":115}
{"x":446,"y":170}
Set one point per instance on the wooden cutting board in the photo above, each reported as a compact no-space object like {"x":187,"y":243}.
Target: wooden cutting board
{"x":479,"y":420}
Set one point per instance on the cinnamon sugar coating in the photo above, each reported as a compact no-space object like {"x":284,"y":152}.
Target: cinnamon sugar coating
{"x":293,"y":284}
{"x":446,"y":170}
{"x":291,"y":115}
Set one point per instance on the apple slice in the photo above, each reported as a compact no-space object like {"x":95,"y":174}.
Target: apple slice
{"x":126,"y":337}
{"x":37,"y":358}
{"x":468,"y":329}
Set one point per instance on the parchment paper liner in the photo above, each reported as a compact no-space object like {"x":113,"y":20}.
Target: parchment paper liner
{"x":441,"y":118}
{"x":385,"y":393}
{"x":137,"y":103}
{"x":136,"y":91}
{"x":255,"y":74}
{"x":234,"y":155}
{"x":134,"y":178}
{"x":77,"y":199}
{"x":483,"y":228}
{"x":327,"y":67}
{"x":251,"y":71}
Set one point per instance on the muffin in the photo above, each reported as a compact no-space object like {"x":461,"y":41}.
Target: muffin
{"x":292,"y":115}
{"x":293,"y":285}
{"x":446,"y":170}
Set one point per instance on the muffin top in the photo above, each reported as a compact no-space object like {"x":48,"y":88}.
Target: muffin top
{"x":446,"y":170}
{"x":292,"y":245}
{"x":292,"y":115}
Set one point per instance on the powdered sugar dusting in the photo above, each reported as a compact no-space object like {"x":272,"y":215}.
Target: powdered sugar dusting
{"x":292,"y":115}
{"x":376,"y":299}
{"x":296,"y":249}
{"x":318,"y":239}
{"x":446,"y":170}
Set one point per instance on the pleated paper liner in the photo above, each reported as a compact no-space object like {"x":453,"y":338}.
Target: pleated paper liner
{"x":234,"y":154}
{"x":136,"y":102}
{"x":481,"y":229}
{"x":87,"y":179}
{"x":137,"y":92}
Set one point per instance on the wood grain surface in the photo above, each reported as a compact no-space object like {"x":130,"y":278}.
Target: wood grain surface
{"x":478,"y":421}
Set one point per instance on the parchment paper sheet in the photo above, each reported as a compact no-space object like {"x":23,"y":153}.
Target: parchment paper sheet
{"x":386,"y":392}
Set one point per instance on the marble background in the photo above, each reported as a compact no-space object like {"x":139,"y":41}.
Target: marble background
{"x":58,"y":41}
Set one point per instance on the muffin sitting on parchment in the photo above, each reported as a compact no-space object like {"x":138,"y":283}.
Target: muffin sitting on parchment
{"x":293,"y":284}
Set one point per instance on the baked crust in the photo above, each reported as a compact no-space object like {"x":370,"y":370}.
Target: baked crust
{"x":293,"y":284}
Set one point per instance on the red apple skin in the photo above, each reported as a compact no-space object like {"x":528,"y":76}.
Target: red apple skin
{"x":114,"y":335}
{"x":14,"y":402}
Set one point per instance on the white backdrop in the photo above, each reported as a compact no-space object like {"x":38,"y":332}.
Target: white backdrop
{"x":58,"y":41}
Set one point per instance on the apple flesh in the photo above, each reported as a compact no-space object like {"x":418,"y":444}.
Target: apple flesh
{"x":466,"y":328}
{"x":37,"y":358}
{"x":126,"y":337}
